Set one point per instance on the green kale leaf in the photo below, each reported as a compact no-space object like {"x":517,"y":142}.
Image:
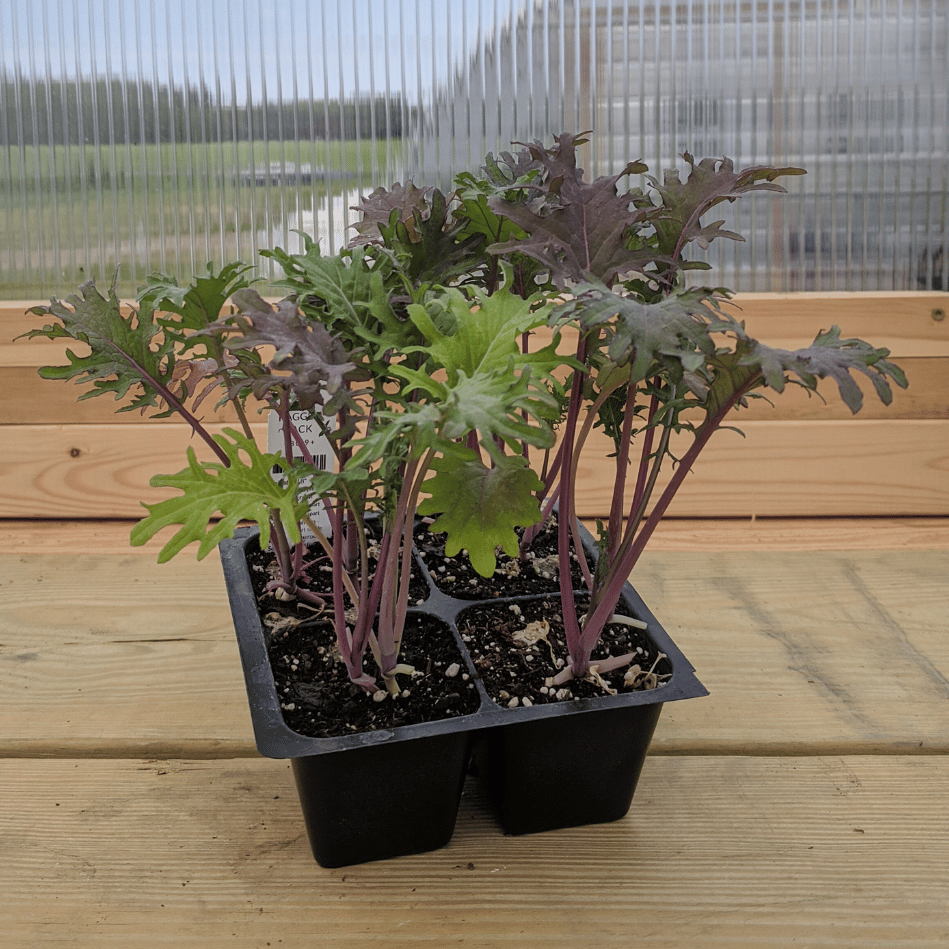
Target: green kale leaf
{"x":479,"y":508}
{"x":240,"y":491}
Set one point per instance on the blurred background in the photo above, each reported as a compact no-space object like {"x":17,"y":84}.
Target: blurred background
{"x":143,"y":135}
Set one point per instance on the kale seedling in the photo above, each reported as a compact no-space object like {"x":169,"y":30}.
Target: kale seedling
{"x":654,"y":357}
{"x":409,"y":351}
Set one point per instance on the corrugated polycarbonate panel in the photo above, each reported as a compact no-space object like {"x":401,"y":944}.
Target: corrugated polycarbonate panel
{"x":138,"y":135}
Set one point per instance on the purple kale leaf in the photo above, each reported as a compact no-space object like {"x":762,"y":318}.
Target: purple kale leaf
{"x":406,"y":200}
{"x":128,"y":355}
{"x":672,"y":333}
{"x":573,"y":228}
{"x":710,"y":182}
{"x":307,"y":359}
{"x":831,"y":357}
{"x":419,"y":224}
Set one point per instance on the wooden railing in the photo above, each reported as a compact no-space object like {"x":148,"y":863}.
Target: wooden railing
{"x":799,"y":457}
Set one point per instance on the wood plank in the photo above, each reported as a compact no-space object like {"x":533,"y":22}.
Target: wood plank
{"x":674,"y":534}
{"x":15,"y":320}
{"x":716,"y":853}
{"x":40,"y":352}
{"x":29,"y":400}
{"x":789,"y":321}
{"x":806,"y":533}
{"x":800,"y":469}
{"x":829,"y":652}
{"x":826,"y":646}
{"x":832,"y":469}
{"x":907,"y":323}
{"x":93,"y":470}
{"x":927,"y":396}
{"x":87,"y":641}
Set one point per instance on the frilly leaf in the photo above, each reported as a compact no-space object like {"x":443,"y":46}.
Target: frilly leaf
{"x":828,"y":356}
{"x":575,"y":228}
{"x":125,"y":351}
{"x":645,"y":336}
{"x":479,"y":508}
{"x":308,"y":360}
{"x":197,"y":305}
{"x":484,"y":340}
{"x":710,"y":182}
{"x":242,"y":491}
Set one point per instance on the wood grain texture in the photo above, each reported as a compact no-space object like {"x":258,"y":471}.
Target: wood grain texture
{"x":805,"y":649}
{"x":800,"y":534}
{"x":30,"y":400}
{"x":673,"y":534}
{"x":832,"y":652}
{"x":63,"y":459}
{"x":716,"y":853}
{"x":104,"y":649}
{"x":901,"y":321}
{"x":799,"y":469}
{"x":784,"y":469}
{"x":93,"y":470}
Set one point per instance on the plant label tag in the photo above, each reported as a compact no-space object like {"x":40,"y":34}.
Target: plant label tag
{"x":318,"y":446}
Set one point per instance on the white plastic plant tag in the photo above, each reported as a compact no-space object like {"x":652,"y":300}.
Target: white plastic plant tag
{"x":319,"y":447}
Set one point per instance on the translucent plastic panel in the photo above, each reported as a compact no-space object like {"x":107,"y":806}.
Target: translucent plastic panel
{"x":138,"y":135}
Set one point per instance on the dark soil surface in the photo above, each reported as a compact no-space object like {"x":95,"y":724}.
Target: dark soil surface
{"x":317,"y":698}
{"x":263,"y":569}
{"x":518,"y":673}
{"x":537,"y":573}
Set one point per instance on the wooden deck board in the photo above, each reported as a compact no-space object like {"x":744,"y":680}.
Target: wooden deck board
{"x":111,"y":536}
{"x":806,"y":648}
{"x":716,"y":852}
{"x":803,"y":803}
{"x":825,"y":651}
{"x":798,"y":468}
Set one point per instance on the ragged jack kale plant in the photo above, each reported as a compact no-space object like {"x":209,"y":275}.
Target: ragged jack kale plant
{"x":655,"y":358}
{"x":413,"y":352}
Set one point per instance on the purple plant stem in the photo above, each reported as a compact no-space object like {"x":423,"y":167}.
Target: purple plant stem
{"x":581,"y":555}
{"x":568,"y":601}
{"x":281,"y":550}
{"x":527,"y":538}
{"x":372,"y":600}
{"x":619,"y":481}
{"x":620,"y":570}
{"x":395,"y":595}
{"x":196,"y":425}
{"x":639,"y":492}
{"x":291,"y":563}
{"x":339,"y":606}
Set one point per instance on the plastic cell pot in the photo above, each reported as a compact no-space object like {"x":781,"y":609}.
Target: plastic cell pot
{"x":365,"y":796}
{"x":577,"y":762}
{"x":571,"y":763}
